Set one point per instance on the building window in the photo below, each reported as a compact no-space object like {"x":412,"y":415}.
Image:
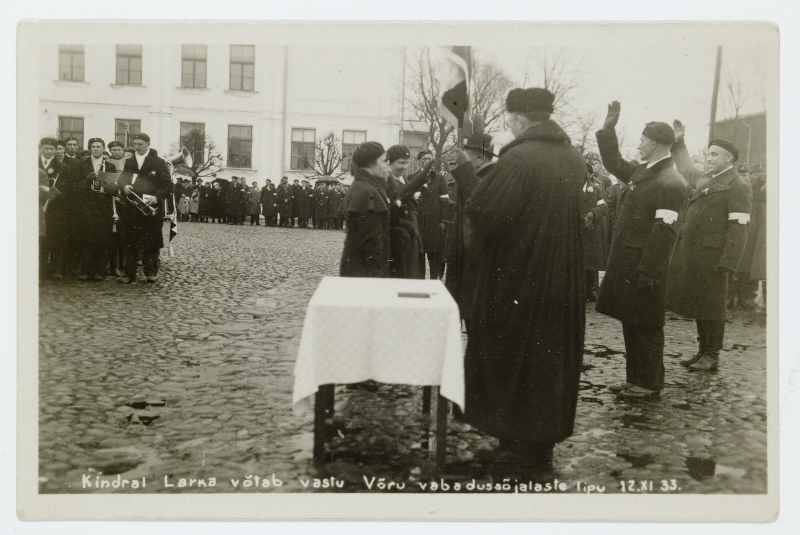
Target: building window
{"x":193,"y":66}
{"x":350,"y":140}
{"x":71,"y":127}
{"x":129,"y":64}
{"x":193,"y":137}
{"x":71,"y":63}
{"x":303,"y":148}
{"x":125,"y":128}
{"x":240,"y":146}
{"x":243,"y":59}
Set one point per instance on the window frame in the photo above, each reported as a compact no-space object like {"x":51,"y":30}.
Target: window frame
{"x":240,"y":141}
{"x":197,"y":156}
{"x":129,"y":56}
{"x":77,"y":50}
{"x":347,"y":157}
{"x":132,"y":131}
{"x":302,"y":151}
{"x":194,"y":59}
{"x":241,"y":63}
{"x":64,"y":134}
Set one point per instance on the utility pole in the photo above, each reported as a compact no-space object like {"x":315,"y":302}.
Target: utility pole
{"x":712,"y":126}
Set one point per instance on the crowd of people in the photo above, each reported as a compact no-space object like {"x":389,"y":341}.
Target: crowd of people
{"x":296,"y":206}
{"x":529,"y":230}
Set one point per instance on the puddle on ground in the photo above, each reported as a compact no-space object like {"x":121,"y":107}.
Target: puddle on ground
{"x":638,"y":461}
{"x":700,"y":469}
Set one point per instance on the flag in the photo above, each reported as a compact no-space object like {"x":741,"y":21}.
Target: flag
{"x":454,"y":79}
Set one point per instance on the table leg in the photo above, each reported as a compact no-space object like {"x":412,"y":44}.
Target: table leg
{"x":427,"y":394}
{"x":323,"y":409}
{"x":441,"y":431}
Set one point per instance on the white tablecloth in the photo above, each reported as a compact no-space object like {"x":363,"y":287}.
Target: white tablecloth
{"x":359,"y":328}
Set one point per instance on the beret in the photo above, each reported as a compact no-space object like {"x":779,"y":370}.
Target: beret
{"x":95,"y":140}
{"x":532,"y":99}
{"x":397,"y":152}
{"x":727,"y":145}
{"x":48,"y":141}
{"x":661,"y":133}
{"x":366,"y":153}
{"x":742,"y":168}
{"x":480,"y":142}
{"x":115,"y":144}
{"x":422,"y":153}
{"x":70,"y":138}
{"x":60,"y":143}
{"x":141,"y":135}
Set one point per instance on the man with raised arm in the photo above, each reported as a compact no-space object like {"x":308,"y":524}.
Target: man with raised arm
{"x":635,"y":284}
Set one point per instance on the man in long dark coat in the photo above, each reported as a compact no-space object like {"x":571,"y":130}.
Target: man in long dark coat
{"x":297,"y":190}
{"x":405,"y":241}
{"x":268,"y":204}
{"x":710,"y":247}
{"x":335,"y":198}
{"x":742,"y":291}
{"x":97,"y":212}
{"x":431,"y":215}
{"x":526,"y":326}
{"x":305,"y":204}
{"x":146,"y":175}
{"x":473,"y":163}
{"x":285,"y":196}
{"x":366,"y":205}
{"x":55,"y":209}
{"x":634,"y":287}
{"x":321,"y":204}
{"x":595,"y":230}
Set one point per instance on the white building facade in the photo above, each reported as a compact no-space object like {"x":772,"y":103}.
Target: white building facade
{"x":263,"y":106}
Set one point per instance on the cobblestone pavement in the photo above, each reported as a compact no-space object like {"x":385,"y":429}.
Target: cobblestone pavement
{"x":191,"y":378}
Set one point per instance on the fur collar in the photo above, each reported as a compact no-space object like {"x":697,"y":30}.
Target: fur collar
{"x":543,"y":131}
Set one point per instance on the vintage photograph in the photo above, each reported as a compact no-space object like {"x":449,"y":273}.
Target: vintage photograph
{"x":476,"y":260}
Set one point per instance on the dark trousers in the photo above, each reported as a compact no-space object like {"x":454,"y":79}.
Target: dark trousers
{"x":94,"y":259}
{"x":116,"y":254}
{"x":333,"y":222}
{"x":644,"y":355}
{"x":711,"y":334}
{"x":435,"y":263}
{"x":56,"y":249}
{"x":255,"y":219}
{"x":302,"y":222}
{"x":149,"y":262}
{"x":270,"y":221}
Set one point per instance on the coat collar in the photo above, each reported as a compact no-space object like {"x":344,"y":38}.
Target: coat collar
{"x":652,"y":171}
{"x":378,"y":183}
{"x":543,"y":131}
{"x":714,"y":184}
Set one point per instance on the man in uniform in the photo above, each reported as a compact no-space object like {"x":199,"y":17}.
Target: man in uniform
{"x":431,"y":214}
{"x":526,"y":325}
{"x":742,"y":291}
{"x":55,"y":209}
{"x":710,"y":247}
{"x":634,"y":287}
{"x":147,"y":176}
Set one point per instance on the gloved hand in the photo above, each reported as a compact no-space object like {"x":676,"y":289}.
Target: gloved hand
{"x":645,"y":282}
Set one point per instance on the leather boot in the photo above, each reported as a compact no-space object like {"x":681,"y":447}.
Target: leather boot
{"x":714,"y":339}
{"x":709,"y":362}
{"x":701,"y":341}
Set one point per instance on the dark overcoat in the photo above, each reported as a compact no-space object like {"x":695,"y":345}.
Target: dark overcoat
{"x":614,"y":202}
{"x":526,"y":324}
{"x":268,"y":201}
{"x":335,"y":203}
{"x":366,"y":245}
{"x":405,"y":240}
{"x":460,"y":278}
{"x":57,"y":220}
{"x":206,"y":201}
{"x":254,"y":205}
{"x":285,"y":196}
{"x":432,"y":208}
{"x":595,"y":241}
{"x":321,"y":202}
{"x":713,"y":233}
{"x":297,"y":192}
{"x":644,"y":236}
{"x":144,"y":231}
{"x":96,"y":209}
{"x":305,"y":204}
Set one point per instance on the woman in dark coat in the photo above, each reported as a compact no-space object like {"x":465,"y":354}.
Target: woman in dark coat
{"x":595,"y":231}
{"x":526,"y":325}
{"x":366,"y":205}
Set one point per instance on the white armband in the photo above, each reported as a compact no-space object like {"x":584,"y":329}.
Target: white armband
{"x":741,"y":217}
{"x":444,"y":196}
{"x":600,"y":202}
{"x":668,"y":216}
